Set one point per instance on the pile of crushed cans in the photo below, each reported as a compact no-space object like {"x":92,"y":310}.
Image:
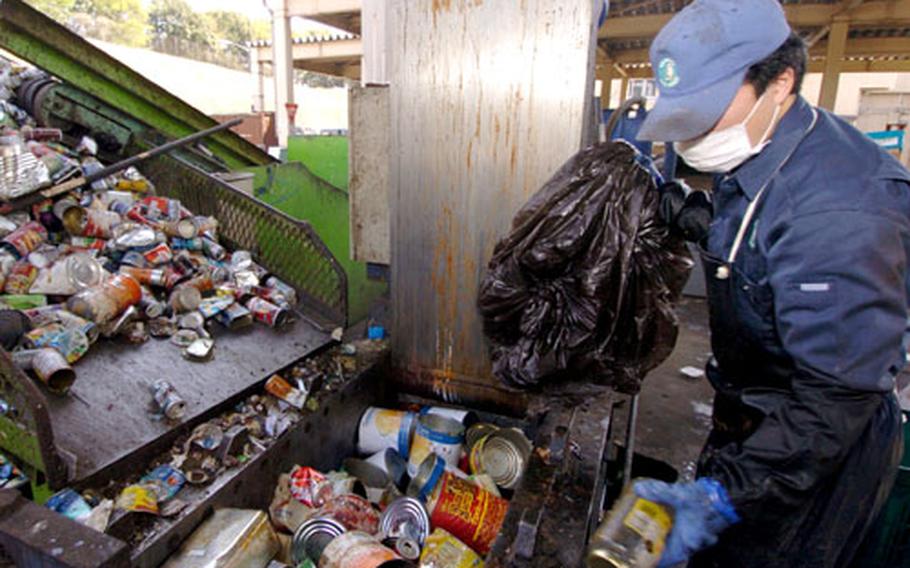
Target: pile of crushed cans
{"x":429,"y":490}
{"x":110,"y":259}
{"x":129,"y":508}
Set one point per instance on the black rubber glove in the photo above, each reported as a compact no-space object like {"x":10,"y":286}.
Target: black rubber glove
{"x":672,"y":198}
{"x":694,"y":220}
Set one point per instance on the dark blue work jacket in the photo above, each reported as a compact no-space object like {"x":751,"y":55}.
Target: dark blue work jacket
{"x":808,"y":324}
{"x":824,"y":260}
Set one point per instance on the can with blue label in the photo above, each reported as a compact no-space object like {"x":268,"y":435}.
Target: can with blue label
{"x":436,"y":434}
{"x":382,"y":428}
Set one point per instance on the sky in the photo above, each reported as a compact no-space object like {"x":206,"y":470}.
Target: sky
{"x":253,"y":9}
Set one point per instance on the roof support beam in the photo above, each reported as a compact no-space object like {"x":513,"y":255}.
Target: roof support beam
{"x":331,"y":50}
{"x":837,"y":42}
{"x":309,"y":8}
{"x":878,"y":12}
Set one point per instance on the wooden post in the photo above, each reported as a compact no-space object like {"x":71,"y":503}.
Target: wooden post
{"x":834,"y":59}
{"x":624,"y":90}
{"x":605,"y":76}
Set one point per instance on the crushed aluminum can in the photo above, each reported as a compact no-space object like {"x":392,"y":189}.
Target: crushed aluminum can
{"x":212,"y":249}
{"x":405,"y":524}
{"x":138,"y":498}
{"x":235,"y":316}
{"x":311,"y":538}
{"x":151,"y":307}
{"x":146,"y":276}
{"x":191,"y":320}
{"x":199,"y":350}
{"x":135,"y":332}
{"x":133,"y":259}
{"x":167,"y":480}
{"x":210,"y":307}
{"x":70,"y":504}
{"x":194,"y":244}
{"x":49,"y":366}
{"x":160,"y":254}
{"x":353,"y":511}
{"x":72,"y":343}
{"x":267,"y":312}
{"x":241,"y":260}
{"x":161,"y":208}
{"x":90,"y":243}
{"x":280,"y":388}
{"x":185,"y":299}
{"x":283,"y":288}
{"x":207,"y":437}
{"x":137,"y":238}
{"x":167,"y":401}
{"x":21,"y":278}
{"x":184,"y":337}
{"x":162,"y":327}
{"x":26,"y":238}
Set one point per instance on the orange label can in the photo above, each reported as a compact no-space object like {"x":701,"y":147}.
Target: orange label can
{"x":472,"y":514}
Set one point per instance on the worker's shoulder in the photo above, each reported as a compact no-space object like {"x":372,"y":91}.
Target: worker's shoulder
{"x":837,"y":167}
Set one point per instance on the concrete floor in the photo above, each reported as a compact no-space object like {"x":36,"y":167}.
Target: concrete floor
{"x":675,"y":411}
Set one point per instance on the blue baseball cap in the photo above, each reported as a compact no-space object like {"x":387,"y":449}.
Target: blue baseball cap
{"x":700,"y":59}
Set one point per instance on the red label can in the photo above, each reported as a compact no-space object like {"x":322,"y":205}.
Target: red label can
{"x":469,"y":512}
{"x":26,"y":238}
{"x":161,"y":254}
{"x":99,"y":223}
{"x":267,"y":312}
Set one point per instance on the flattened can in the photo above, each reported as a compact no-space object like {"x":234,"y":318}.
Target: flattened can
{"x":381,"y":428}
{"x":470,"y":513}
{"x":438,"y":435}
{"x":267,"y":312}
{"x":358,"y":549}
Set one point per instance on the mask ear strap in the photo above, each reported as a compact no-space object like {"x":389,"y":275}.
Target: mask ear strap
{"x":754,"y":108}
{"x":764,"y":137}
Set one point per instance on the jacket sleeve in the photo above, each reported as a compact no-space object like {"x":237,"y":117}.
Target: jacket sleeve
{"x":838,"y":282}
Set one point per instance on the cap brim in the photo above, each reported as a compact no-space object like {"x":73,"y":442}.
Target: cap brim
{"x":674,"y":119}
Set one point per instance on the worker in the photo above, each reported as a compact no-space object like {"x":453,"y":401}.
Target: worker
{"x":807,"y":281}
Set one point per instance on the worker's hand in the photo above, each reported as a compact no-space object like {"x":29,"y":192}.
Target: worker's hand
{"x":687,"y":212}
{"x":701,"y":511}
{"x":694,"y":220}
{"x":672,"y":198}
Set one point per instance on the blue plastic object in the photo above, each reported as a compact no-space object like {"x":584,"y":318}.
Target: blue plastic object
{"x":888,"y":139}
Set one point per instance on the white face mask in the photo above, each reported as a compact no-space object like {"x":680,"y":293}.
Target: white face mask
{"x":722,"y":151}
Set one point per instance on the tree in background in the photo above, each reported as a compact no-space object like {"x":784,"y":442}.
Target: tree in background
{"x":116,"y":21}
{"x":59,"y":10}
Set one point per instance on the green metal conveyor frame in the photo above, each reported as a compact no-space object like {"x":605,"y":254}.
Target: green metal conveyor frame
{"x":36,"y":38}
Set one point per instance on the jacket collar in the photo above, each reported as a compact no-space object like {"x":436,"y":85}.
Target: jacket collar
{"x":755,"y":173}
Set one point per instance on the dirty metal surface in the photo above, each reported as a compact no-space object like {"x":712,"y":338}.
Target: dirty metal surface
{"x":33,"y":535}
{"x":368,"y":116}
{"x":107,"y":415}
{"x":321,"y":439}
{"x":489,"y":99}
{"x":559,"y":499}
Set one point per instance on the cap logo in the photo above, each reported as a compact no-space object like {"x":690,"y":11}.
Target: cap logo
{"x":666,"y":73}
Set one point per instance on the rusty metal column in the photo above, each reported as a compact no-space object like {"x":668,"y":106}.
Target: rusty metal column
{"x":834,"y":59}
{"x":282,"y":68}
{"x":488,"y":99}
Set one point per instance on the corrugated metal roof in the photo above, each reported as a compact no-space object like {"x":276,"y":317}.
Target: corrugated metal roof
{"x":323,"y":38}
{"x":647,"y":7}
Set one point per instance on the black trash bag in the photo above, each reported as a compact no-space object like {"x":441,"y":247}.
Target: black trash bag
{"x":584,"y":286}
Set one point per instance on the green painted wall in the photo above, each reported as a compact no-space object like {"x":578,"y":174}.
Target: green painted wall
{"x":294,"y":189}
{"x":325,"y":156}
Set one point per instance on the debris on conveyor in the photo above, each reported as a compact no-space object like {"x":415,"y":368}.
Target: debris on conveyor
{"x":585,"y":285}
{"x":110,"y":260}
{"x":447,"y":512}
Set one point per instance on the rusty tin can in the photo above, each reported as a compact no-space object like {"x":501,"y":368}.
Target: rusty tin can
{"x":358,"y":549}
